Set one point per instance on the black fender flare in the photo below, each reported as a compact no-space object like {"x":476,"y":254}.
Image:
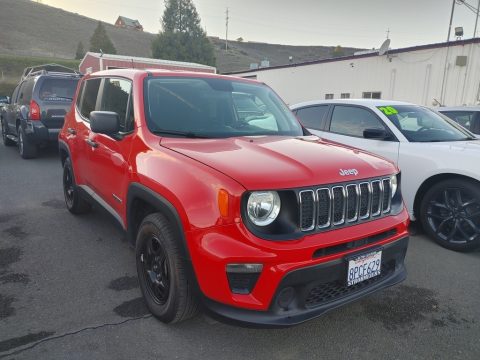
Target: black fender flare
{"x":139,"y":191}
{"x":62,"y":146}
{"x":160,"y":204}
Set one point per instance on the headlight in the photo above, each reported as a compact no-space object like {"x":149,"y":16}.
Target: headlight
{"x":394,"y":184}
{"x":263,"y":207}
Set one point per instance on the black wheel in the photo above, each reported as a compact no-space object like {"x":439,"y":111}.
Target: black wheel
{"x":162,"y":273}
{"x":6,"y":141}
{"x":26,"y":148}
{"x":76,"y":204}
{"x":450,"y":214}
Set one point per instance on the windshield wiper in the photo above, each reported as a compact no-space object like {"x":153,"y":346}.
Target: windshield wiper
{"x":186,"y":134}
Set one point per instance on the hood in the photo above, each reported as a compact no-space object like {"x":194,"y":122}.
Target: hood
{"x":273,"y":162}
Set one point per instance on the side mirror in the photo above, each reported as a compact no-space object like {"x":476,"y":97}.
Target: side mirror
{"x":377,"y":134}
{"x":104,"y":122}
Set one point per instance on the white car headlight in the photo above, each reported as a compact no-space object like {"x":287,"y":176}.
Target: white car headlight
{"x":394,"y":184}
{"x":263,"y":207}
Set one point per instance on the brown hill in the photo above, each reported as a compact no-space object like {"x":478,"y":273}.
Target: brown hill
{"x":31,"y":29}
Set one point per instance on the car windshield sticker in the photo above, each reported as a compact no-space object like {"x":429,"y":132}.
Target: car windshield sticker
{"x":388,"y":110}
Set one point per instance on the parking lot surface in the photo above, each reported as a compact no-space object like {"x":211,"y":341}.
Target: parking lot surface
{"x":68,"y":290}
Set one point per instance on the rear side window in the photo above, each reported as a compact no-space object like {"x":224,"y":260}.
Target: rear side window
{"x":89,"y":97}
{"x":311,"y":117}
{"x":352,"y":121}
{"x":26,"y":90}
{"x":116,"y":98}
{"x":58,"y":89}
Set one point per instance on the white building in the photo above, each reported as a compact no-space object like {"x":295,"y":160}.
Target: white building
{"x":447,"y":73}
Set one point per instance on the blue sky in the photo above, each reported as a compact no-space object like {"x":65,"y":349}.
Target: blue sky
{"x":357,"y":23}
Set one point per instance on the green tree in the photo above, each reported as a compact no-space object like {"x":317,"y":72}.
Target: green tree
{"x":182,"y":38}
{"x":80,"y":53}
{"x":338,"y":51}
{"x":101,"y":41}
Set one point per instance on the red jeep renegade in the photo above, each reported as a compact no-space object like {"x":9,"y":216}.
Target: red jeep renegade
{"x":228,"y":201}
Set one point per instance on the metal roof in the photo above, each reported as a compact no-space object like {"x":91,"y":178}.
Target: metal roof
{"x":355,"y":57}
{"x":148,"y":61}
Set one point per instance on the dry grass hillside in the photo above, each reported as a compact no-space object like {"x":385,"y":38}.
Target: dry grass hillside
{"x":28,"y":28}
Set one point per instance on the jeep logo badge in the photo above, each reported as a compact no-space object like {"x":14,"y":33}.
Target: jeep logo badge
{"x":346,"y":172}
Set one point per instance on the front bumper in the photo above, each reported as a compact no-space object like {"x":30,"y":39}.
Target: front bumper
{"x":318,"y":289}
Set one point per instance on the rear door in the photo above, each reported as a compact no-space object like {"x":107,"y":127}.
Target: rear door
{"x":108,"y":163}
{"x":86,"y":102}
{"x":54,"y":96}
{"x":346,"y":124}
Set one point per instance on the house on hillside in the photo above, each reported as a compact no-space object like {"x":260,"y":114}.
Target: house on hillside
{"x":127,"y":23}
{"x":93,"y":62}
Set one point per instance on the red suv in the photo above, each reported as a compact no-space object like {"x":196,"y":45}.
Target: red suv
{"x":228,"y":201}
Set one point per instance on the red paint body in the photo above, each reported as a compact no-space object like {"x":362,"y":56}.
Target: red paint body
{"x":190,"y":172}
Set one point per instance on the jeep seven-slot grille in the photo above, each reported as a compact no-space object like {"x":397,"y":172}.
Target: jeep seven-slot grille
{"x":345,"y":204}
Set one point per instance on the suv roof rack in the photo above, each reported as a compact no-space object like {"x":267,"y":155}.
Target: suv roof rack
{"x":51,"y":69}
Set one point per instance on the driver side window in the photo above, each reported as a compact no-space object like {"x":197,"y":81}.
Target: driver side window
{"x":352,"y":121}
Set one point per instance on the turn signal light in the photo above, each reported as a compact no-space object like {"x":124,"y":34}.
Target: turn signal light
{"x":223,"y":202}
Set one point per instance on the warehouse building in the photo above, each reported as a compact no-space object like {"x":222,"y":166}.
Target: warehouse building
{"x":444,"y":73}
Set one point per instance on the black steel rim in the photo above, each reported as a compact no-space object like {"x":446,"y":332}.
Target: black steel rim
{"x":454,"y":215}
{"x":68,"y":186}
{"x":155,"y":269}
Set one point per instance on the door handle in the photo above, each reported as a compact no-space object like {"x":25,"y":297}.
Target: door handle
{"x":92,"y":143}
{"x":71,"y":131}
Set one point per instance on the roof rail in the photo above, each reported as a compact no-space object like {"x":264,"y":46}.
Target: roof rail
{"x":53,"y":69}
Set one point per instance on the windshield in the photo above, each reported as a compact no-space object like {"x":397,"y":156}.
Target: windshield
{"x":420,"y":124}
{"x":58,"y":89}
{"x":212,"y":107}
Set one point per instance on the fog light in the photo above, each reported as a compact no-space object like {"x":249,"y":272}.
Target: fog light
{"x":285,"y":297}
{"x":243,"y":277}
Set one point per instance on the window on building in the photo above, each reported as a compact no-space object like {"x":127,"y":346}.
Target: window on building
{"x":89,"y":97}
{"x":352,"y":121}
{"x":345,"y":96}
{"x":311,"y":117}
{"x":116,"y":98}
{"x":328,"y":96}
{"x":372,"y":95}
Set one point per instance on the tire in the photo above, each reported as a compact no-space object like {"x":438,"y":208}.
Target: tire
{"x":162,"y":272}
{"x":76,"y":204}
{"x":450,"y":214}
{"x":26,"y":148}
{"x":6,"y":141}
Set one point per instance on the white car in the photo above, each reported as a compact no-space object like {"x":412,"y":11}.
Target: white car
{"x":467,"y":116}
{"x":439,"y":159}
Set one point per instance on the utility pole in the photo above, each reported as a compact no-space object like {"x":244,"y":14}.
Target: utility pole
{"x":451,"y":20}
{"x":476,"y":20}
{"x":226,"y":30}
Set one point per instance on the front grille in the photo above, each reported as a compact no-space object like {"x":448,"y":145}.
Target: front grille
{"x":334,"y":290}
{"x":345,"y":204}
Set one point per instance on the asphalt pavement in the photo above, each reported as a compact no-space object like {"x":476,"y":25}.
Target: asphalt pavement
{"x":68,"y":290}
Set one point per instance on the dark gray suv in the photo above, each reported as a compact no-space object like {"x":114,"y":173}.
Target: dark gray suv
{"x":36,"y":111}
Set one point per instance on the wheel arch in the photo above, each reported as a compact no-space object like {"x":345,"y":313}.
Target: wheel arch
{"x":142,"y":201}
{"x":64,"y":151}
{"x":429,"y":182}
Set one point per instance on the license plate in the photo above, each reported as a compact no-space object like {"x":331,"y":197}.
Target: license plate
{"x":364,"y":267}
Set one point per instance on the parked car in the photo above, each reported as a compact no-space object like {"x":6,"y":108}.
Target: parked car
{"x":266,"y":227}
{"x":437,"y":157}
{"x":4,"y":99}
{"x":467,"y":116}
{"x":37,"y":109}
